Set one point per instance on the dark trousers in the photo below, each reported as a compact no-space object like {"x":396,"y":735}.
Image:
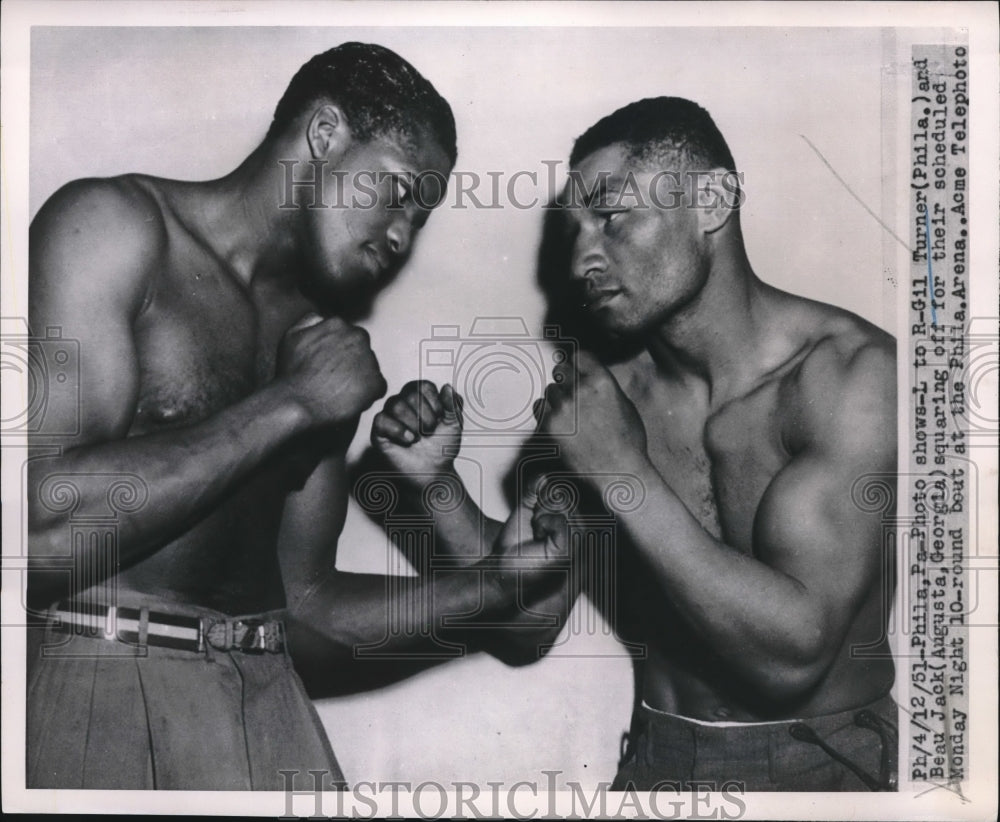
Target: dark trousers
{"x":674,"y":753}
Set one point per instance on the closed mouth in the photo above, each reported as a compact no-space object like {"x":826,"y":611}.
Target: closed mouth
{"x":378,"y":262}
{"x":598,"y":298}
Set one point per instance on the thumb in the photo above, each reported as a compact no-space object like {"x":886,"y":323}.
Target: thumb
{"x":307,"y":320}
{"x":551,"y":528}
{"x":451,"y":402}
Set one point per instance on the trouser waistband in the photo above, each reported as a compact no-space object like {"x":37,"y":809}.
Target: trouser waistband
{"x":878,"y":716}
{"x":881,"y":706}
{"x":149,"y":626}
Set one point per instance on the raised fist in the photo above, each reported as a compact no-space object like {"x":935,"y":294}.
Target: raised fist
{"x":599,"y":428}
{"x":419,"y":430}
{"x":328,"y":369}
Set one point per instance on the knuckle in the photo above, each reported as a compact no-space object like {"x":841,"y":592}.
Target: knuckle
{"x":351,"y":335}
{"x":397,"y":406}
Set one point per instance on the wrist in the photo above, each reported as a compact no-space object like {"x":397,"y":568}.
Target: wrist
{"x":286,"y":410}
{"x":500,"y":588}
{"x":422,"y":480}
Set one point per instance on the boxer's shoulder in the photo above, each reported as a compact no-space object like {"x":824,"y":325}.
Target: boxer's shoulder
{"x":845,"y":384}
{"x":127,"y":202}
{"x":99,"y":236}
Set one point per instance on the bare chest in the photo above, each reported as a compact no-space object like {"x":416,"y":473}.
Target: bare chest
{"x":201,"y":345}
{"x":718,"y":463}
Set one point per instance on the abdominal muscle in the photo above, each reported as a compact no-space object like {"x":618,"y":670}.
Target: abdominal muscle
{"x":226,"y":562}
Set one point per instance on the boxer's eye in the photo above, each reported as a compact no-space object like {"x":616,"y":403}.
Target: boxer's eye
{"x":403,"y":191}
{"x":609,"y":215}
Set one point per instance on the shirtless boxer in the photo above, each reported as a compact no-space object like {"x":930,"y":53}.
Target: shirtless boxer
{"x":747,"y":414}
{"x":219,"y":388}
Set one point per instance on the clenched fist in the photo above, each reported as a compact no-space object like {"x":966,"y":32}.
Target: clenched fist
{"x":532,"y":568}
{"x":532,"y":529}
{"x":419,"y":430}
{"x":329,"y":369}
{"x":598,"y":428}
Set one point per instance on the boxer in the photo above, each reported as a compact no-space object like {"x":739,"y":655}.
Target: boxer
{"x":747,"y":415}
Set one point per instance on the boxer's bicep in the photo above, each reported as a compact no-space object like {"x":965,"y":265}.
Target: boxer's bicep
{"x":90,"y":254}
{"x":813,"y":523}
{"x":808,"y":528}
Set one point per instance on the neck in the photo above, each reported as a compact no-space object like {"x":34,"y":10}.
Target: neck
{"x":239,"y":219}
{"x":718,"y":337}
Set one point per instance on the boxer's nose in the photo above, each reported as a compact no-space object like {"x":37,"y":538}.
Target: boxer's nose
{"x":399,"y":236}
{"x":587,"y":264}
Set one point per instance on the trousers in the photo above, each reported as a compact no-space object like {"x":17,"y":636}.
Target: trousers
{"x":106,"y":714}
{"x":852,"y":750}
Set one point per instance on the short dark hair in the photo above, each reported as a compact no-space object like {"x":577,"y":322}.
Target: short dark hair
{"x":664,"y":130}
{"x":378,"y":91}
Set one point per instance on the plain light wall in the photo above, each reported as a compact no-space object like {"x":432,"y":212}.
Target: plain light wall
{"x":190,"y":103}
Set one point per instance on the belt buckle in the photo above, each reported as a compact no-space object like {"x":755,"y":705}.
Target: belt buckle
{"x":253,"y":640}
{"x":249,"y":636}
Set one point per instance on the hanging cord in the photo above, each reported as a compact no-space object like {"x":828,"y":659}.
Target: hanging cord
{"x":889,"y":735}
{"x":864,"y":719}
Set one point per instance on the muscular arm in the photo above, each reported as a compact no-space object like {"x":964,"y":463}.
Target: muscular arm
{"x":313,"y":517}
{"x":331,"y":613}
{"x":95,"y":248}
{"x":419,"y":433}
{"x":417,"y":436}
{"x":779,"y":617}
{"x":349,"y":632}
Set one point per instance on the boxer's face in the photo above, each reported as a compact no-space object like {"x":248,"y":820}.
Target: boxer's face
{"x":362,"y":237}
{"x":637,"y":256}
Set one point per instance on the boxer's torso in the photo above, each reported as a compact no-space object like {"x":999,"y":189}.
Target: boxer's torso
{"x":720,"y":458}
{"x":203,"y":342}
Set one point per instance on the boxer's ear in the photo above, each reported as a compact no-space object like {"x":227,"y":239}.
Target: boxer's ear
{"x":717,"y":195}
{"x":327,"y":133}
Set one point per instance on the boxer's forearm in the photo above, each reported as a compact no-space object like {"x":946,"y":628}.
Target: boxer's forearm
{"x":163,"y":482}
{"x":461,"y":530}
{"x":345,"y":613}
{"x":535,"y":624}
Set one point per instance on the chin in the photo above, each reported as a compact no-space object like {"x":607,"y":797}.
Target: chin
{"x":618,"y":326}
{"x":611,"y":339}
{"x":333,"y":293}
